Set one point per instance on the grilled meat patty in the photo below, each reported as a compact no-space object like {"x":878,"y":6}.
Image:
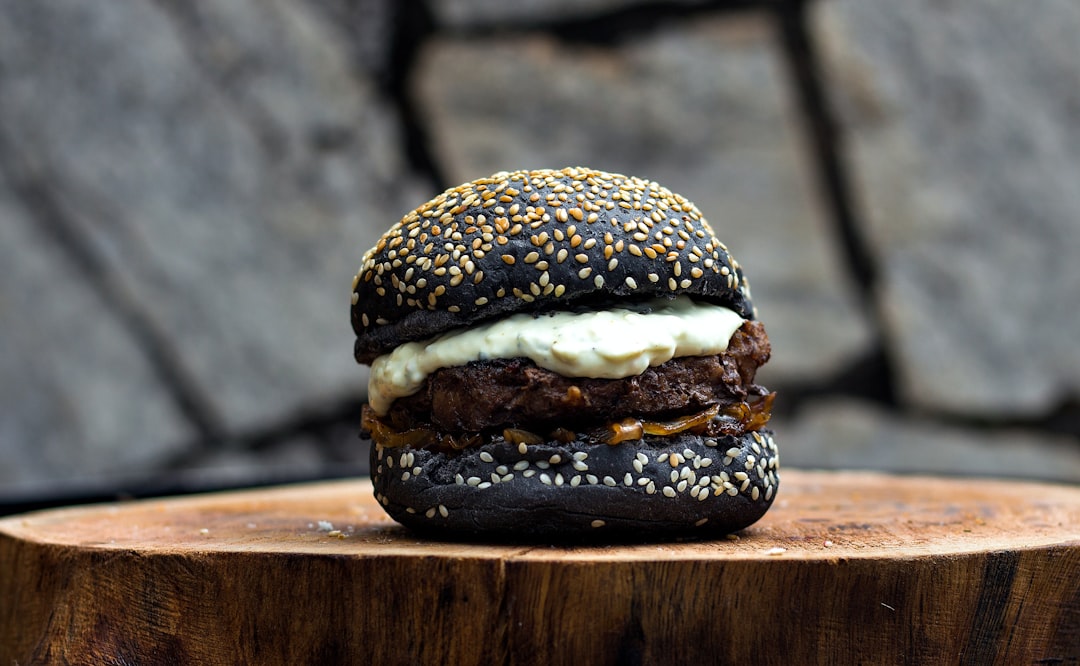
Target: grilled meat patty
{"x":516,"y":392}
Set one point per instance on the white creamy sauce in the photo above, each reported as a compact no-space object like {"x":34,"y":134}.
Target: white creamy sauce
{"x":608,"y":344}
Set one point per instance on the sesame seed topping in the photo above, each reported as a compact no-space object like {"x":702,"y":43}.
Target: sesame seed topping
{"x":472,"y":239}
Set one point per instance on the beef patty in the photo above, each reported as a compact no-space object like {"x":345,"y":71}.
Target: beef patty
{"x":517,"y":393}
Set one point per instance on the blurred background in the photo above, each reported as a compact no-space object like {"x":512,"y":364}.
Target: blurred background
{"x":186,"y":190}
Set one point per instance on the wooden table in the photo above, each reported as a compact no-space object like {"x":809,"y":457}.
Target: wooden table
{"x":846,"y":568}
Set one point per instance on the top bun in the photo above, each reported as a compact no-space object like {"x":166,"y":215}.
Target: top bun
{"x":527,"y":241}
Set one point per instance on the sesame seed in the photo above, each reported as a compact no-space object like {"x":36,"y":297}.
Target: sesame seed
{"x":473,"y":481}
{"x":545,"y":479}
{"x":592,"y":479}
{"x":486,"y":457}
{"x":443,"y":511}
{"x":529,"y":473}
{"x":430,"y":513}
{"x":520,"y":465}
{"x":597,"y":523}
{"x":668,"y":491}
{"x":608,"y":481}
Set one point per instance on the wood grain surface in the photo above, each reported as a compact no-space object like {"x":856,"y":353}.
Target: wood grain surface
{"x":846,"y":568}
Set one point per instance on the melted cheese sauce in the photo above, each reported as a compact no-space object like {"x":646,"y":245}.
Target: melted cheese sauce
{"x":607,"y":344}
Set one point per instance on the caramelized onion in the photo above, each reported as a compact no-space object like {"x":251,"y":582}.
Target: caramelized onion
{"x":462,"y":441}
{"x":519,"y":436}
{"x":680,"y":424}
{"x":733,"y":419}
{"x":621,"y":431}
{"x":563,"y":435}
{"x":752,"y":416}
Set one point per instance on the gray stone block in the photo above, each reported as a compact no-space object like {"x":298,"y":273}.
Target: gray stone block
{"x":230,"y":164}
{"x":961,"y":121}
{"x":848,"y":434}
{"x":78,"y":398}
{"x":700,"y":107}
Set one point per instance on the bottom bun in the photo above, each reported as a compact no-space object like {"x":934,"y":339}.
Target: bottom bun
{"x":683,"y":485}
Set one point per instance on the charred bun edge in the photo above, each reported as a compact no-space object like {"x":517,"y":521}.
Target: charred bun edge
{"x":485,"y":250}
{"x":683,"y":486}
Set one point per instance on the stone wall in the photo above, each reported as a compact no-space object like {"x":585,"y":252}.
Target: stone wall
{"x":186,"y":190}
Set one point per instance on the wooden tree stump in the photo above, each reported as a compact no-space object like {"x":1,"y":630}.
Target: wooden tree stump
{"x":846,"y":568}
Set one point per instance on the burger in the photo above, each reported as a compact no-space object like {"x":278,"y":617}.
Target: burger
{"x":563,"y":354}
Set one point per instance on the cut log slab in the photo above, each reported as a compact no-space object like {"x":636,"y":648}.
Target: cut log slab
{"x":846,"y":568}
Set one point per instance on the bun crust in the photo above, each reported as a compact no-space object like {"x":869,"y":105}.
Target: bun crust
{"x":536,"y":240}
{"x":655,"y":488}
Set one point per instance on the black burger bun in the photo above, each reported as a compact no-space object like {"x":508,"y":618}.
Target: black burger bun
{"x":655,"y":488}
{"x":534,"y":240}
